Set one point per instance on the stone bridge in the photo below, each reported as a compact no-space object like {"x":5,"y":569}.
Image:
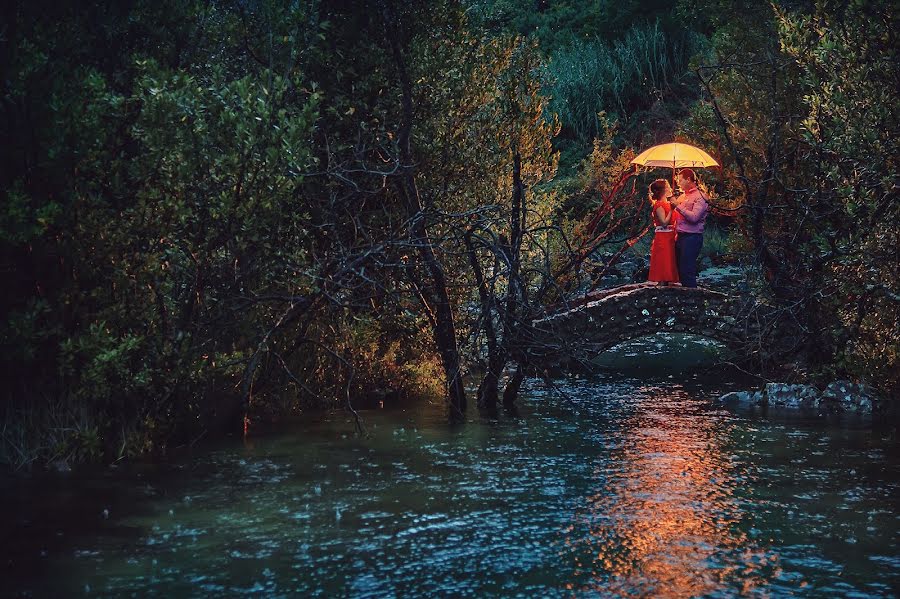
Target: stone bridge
{"x":604,"y":319}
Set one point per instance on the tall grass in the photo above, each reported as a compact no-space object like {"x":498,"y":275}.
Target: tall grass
{"x":594,"y":76}
{"x":47,"y":433}
{"x":716,"y":242}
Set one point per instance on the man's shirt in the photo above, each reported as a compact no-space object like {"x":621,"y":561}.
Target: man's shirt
{"x":692,"y":209}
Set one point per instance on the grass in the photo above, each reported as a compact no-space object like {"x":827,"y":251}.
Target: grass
{"x":47,"y":434}
{"x":716,"y":242}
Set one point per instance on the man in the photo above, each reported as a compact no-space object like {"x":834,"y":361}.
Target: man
{"x":692,"y":209}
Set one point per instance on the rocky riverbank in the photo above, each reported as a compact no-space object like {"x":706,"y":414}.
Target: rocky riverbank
{"x":837,"y":397}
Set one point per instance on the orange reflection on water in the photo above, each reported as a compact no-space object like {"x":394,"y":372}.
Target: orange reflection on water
{"x":664,"y":524}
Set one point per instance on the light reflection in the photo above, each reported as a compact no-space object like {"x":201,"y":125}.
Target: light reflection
{"x":664,"y":519}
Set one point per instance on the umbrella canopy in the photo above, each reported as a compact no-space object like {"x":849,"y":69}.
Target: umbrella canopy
{"x":674,"y":155}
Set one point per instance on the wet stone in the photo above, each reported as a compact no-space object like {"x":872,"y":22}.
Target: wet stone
{"x":741,"y":398}
{"x":791,"y":396}
{"x":850,"y":397}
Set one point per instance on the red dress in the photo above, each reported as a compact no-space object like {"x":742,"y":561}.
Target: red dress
{"x":663,"y":265}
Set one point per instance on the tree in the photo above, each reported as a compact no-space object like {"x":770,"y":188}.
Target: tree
{"x":847,"y":56}
{"x":806,"y":103}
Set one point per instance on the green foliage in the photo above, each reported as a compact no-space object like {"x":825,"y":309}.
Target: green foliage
{"x":594,"y":76}
{"x":184,"y":196}
{"x":157,"y":196}
{"x":102,"y":365}
{"x":605,"y":164}
{"x":596,"y":174}
{"x":809,"y":96}
{"x":847,"y":58}
{"x":556,"y":24}
{"x":23,"y":221}
{"x":192,"y":188}
{"x":716,"y":243}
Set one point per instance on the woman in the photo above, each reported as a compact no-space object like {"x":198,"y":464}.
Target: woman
{"x":663,"y":263}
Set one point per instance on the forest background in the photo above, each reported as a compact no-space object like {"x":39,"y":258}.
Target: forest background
{"x":221,"y":211}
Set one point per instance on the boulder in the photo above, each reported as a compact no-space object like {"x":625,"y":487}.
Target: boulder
{"x":850,"y":397}
{"x":791,"y":396}
{"x":735,"y":397}
{"x":727,"y":277}
{"x":839,"y":396}
{"x":741,"y":398}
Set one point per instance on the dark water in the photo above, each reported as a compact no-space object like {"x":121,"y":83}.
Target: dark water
{"x":629,"y":487}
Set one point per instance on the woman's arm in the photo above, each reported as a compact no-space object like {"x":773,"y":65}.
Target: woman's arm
{"x":663,"y":218}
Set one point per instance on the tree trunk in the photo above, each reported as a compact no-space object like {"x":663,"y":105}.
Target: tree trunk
{"x":511,"y":393}
{"x":515,"y":295}
{"x":488,"y":392}
{"x":445,"y":330}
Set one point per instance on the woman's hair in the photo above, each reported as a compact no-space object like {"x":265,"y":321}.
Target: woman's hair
{"x":657,"y":188}
{"x":688,"y":174}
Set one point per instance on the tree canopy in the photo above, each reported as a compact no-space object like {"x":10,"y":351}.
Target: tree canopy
{"x":220,"y":209}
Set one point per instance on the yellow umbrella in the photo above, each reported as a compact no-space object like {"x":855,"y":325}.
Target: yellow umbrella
{"x":674,"y":155}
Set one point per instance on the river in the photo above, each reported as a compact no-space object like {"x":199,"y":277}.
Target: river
{"x":627,"y":483}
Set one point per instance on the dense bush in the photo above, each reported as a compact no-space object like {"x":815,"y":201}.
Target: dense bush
{"x":201,"y":208}
{"x":805,"y":103}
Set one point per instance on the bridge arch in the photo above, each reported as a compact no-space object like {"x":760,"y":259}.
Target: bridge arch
{"x":607,"y":318}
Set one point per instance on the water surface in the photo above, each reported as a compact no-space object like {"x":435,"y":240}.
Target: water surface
{"x":623,"y":486}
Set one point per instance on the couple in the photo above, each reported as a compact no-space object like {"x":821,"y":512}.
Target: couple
{"x":679,"y":230}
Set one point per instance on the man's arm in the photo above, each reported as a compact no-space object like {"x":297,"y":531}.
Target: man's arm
{"x":695,"y":212}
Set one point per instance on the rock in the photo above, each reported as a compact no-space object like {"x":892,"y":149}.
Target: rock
{"x":706,"y":262}
{"x":737,"y":398}
{"x":60,"y":466}
{"x":791,"y":396}
{"x":724,"y":277}
{"x":850,"y":397}
{"x":612,"y":272}
{"x":743,"y":398}
{"x":839,"y":396}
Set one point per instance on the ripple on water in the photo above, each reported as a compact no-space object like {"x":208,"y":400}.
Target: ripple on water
{"x":629,"y":487}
